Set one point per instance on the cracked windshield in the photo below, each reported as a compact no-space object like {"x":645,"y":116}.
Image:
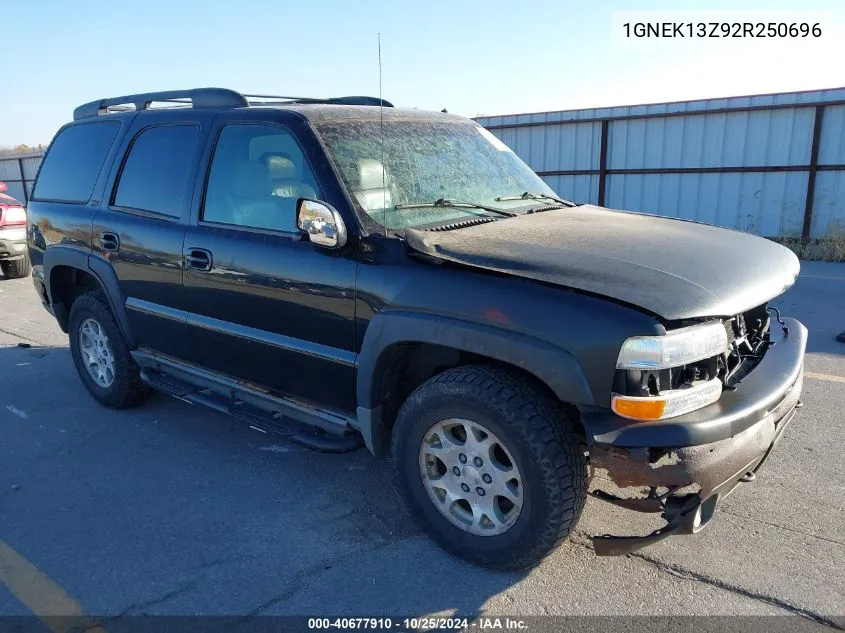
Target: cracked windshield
{"x":445,"y":167}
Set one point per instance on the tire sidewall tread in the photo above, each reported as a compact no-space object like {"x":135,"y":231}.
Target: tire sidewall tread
{"x":539,"y":433}
{"x":16,"y":269}
{"x":127,"y":389}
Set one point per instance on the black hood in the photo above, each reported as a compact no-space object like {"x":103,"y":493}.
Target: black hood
{"x":672,"y":268}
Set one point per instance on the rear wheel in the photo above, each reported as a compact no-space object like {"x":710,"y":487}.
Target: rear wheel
{"x":491,"y":465}
{"x":17,"y":268}
{"x":101,"y":356}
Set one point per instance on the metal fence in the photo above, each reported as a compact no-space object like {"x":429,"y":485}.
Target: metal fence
{"x":18,"y":172}
{"x":769,"y":164}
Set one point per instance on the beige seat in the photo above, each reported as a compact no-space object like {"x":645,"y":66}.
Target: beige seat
{"x":286,"y":177}
{"x":246,"y":200}
{"x":373,"y":187}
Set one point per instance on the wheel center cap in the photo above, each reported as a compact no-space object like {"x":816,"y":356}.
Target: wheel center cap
{"x":471,"y":475}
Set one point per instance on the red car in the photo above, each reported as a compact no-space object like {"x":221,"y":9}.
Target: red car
{"x":14,"y":259}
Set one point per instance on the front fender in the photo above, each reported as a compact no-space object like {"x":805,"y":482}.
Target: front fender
{"x":552,"y":365}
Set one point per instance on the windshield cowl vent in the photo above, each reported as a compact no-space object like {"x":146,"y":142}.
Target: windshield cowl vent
{"x":462,"y":224}
{"x":550,"y":207}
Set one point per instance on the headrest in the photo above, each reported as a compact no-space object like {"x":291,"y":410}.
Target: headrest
{"x":371,"y":174}
{"x":250,"y":180}
{"x":279,"y":166}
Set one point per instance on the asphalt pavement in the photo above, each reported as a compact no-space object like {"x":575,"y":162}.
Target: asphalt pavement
{"x":174,"y":509}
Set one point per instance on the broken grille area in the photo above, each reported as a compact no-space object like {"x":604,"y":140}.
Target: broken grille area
{"x":748,"y":340}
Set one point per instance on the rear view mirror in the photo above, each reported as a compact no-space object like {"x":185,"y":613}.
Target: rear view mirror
{"x":322,"y":223}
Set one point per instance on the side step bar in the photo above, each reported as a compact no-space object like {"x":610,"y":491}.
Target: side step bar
{"x":309,"y":426}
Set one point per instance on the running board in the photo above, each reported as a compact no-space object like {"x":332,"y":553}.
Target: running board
{"x":317,"y":429}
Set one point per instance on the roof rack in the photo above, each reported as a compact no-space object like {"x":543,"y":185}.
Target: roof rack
{"x":258,"y":100}
{"x":208,"y":98}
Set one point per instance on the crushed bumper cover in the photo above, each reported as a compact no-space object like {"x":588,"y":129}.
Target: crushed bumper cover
{"x":684,"y":466}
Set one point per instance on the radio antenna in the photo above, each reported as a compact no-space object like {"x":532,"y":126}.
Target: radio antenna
{"x":381,"y":134}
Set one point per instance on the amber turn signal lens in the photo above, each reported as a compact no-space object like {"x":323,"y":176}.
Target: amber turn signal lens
{"x":668,"y":404}
{"x":639,"y":409}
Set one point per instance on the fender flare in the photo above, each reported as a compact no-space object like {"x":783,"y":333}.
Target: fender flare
{"x":552,"y":365}
{"x":98,"y":268}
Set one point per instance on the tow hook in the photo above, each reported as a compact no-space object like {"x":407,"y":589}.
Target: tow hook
{"x":748,"y":477}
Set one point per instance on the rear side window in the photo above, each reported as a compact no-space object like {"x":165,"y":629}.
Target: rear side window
{"x":71,"y":167}
{"x":156,"y":172}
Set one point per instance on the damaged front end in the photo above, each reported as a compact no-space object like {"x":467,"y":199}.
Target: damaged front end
{"x":681,"y":467}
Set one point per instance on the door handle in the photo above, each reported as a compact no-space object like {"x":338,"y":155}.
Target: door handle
{"x":109,"y":242}
{"x":198,"y":259}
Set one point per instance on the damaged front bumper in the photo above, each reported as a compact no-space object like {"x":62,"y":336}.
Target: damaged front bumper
{"x":683,"y":467}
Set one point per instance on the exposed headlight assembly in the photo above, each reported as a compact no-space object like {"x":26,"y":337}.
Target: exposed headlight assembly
{"x":675,"y":348}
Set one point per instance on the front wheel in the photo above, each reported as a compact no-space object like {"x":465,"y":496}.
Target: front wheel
{"x":491,"y":465}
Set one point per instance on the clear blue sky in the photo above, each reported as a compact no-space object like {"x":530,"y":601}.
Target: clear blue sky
{"x":472,"y":57}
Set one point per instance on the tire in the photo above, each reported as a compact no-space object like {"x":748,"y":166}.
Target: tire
{"x":17,"y":268}
{"x":538,"y":435}
{"x":125,"y":389}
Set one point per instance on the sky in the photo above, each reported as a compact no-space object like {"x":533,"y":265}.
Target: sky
{"x":472,"y":57}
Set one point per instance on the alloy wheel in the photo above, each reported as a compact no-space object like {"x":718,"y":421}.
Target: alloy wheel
{"x":96,"y":352}
{"x":471,"y":477}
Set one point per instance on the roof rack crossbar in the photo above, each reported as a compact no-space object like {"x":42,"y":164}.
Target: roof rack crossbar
{"x":360,"y":100}
{"x":198,"y":97}
{"x":209,"y":98}
{"x":279,"y":97}
{"x":354,"y":100}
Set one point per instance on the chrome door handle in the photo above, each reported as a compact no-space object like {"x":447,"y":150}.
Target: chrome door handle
{"x":198,"y":259}
{"x":109,"y":242}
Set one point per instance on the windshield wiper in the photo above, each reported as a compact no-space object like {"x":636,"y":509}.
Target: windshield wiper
{"x":458,"y":204}
{"x":528,"y":195}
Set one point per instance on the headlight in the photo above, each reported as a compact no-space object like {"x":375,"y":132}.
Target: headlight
{"x":668,"y":404}
{"x":665,"y":386}
{"x":675,"y":348}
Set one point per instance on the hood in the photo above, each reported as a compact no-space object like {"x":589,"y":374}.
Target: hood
{"x":8,"y":201}
{"x":675,"y":269}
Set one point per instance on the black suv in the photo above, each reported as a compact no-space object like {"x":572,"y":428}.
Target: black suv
{"x":367,"y":275}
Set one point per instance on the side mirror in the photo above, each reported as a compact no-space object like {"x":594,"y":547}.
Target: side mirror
{"x":321,"y":222}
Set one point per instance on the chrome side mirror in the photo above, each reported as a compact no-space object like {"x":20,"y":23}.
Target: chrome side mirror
{"x":322,"y":223}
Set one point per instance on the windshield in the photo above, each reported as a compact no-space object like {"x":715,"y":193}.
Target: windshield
{"x":423,"y":161}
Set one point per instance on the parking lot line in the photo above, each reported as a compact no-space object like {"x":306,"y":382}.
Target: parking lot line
{"x":58,"y":611}
{"x":827,"y":277}
{"x":828,"y":377}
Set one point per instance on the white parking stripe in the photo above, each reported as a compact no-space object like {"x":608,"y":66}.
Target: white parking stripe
{"x":821,"y":277}
{"x":828,"y":377}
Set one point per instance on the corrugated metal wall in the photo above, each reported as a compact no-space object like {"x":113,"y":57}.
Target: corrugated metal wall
{"x":743,"y":162}
{"x":13,"y":166}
